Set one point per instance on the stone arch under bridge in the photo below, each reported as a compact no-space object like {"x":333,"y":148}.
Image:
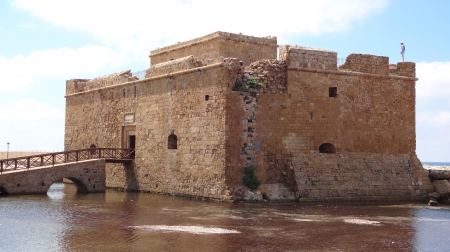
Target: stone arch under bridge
{"x":88,"y":176}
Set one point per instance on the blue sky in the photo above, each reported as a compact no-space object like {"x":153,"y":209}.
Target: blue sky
{"x":43,"y":43}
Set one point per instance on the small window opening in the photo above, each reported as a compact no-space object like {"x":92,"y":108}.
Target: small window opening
{"x":332,"y":91}
{"x":311,"y":116}
{"x":172,"y":142}
{"x":135,"y":92}
{"x":206,"y":97}
{"x":327,"y":148}
{"x":123,"y":92}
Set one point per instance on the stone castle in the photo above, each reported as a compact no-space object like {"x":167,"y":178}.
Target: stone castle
{"x":315,"y":131}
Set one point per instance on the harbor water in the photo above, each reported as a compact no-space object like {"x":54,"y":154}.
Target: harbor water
{"x":119,"y":221}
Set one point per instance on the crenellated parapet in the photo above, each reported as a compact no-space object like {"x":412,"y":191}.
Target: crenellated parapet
{"x":81,"y":85}
{"x":306,"y":57}
{"x":406,"y":69}
{"x":366,"y":63}
{"x":172,"y":66}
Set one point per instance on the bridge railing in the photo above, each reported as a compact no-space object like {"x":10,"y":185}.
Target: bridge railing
{"x":48,"y":159}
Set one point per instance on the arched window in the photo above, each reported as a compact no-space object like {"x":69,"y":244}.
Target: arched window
{"x":327,"y":148}
{"x":172,"y":142}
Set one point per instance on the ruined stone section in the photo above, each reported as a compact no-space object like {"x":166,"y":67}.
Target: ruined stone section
{"x":307,"y":57}
{"x":366,"y":63}
{"x":272,"y":73}
{"x":360,"y":176}
{"x":213,"y":48}
{"x":88,"y":176}
{"x":82,"y":85}
{"x":171,"y":66}
{"x":75,"y":86}
{"x":406,"y":69}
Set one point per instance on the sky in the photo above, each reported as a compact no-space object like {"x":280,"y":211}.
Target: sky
{"x":43,"y":43}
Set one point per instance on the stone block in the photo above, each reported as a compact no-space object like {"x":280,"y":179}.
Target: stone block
{"x":442,"y":187}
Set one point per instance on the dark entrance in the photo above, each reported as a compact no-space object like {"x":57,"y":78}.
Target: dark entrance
{"x":3,"y":192}
{"x":132,"y":142}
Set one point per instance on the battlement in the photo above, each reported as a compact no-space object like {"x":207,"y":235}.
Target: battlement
{"x":172,"y":66}
{"x":81,"y":85}
{"x":366,"y":63}
{"x":306,"y":57}
{"x":213,"y":48}
{"x":406,"y":69}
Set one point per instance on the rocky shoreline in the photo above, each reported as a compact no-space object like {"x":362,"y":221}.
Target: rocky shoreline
{"x":439,"y":177}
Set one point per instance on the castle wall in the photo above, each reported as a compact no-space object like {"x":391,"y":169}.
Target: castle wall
{"x":360,"y":176}
{"x":189,"y":105}
{"x":370,"y":121}
{"x":213,"y":48}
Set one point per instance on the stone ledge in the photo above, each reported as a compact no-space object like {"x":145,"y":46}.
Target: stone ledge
{"x":212,"y":36}
{"x":351,"y":73}
{"x":149,"y":79}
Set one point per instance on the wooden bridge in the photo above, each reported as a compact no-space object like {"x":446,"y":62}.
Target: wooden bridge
{"x":35,"y":174}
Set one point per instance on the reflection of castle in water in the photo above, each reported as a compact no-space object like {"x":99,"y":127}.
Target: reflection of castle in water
{"x":315,"y":131}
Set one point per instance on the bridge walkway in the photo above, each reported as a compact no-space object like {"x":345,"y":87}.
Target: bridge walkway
{"x":85,"y":167}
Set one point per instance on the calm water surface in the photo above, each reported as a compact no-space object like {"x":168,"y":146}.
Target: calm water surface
{"x":118,"y":221}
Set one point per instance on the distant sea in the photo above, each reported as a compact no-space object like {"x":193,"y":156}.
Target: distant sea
{"x":436,"y":163}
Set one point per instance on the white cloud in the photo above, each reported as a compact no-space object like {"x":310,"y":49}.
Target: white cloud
{"x":433,"y":110}
{"x":139,"y":25}
{"x":31,"y":125}
{"x":27,"y":26}
{"x":434,"y":82}
{"x":19,"y":73}
{"x":435,"y":119}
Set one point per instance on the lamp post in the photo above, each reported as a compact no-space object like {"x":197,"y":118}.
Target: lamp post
{"x":7,"y":150}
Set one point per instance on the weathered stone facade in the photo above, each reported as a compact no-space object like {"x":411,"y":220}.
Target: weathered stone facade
{"x":314,"y":132}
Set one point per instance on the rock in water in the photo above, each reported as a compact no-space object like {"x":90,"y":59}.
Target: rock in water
{"x":433,"y":202}
{"x":441,"y":187}
{"x":434,"y":195}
